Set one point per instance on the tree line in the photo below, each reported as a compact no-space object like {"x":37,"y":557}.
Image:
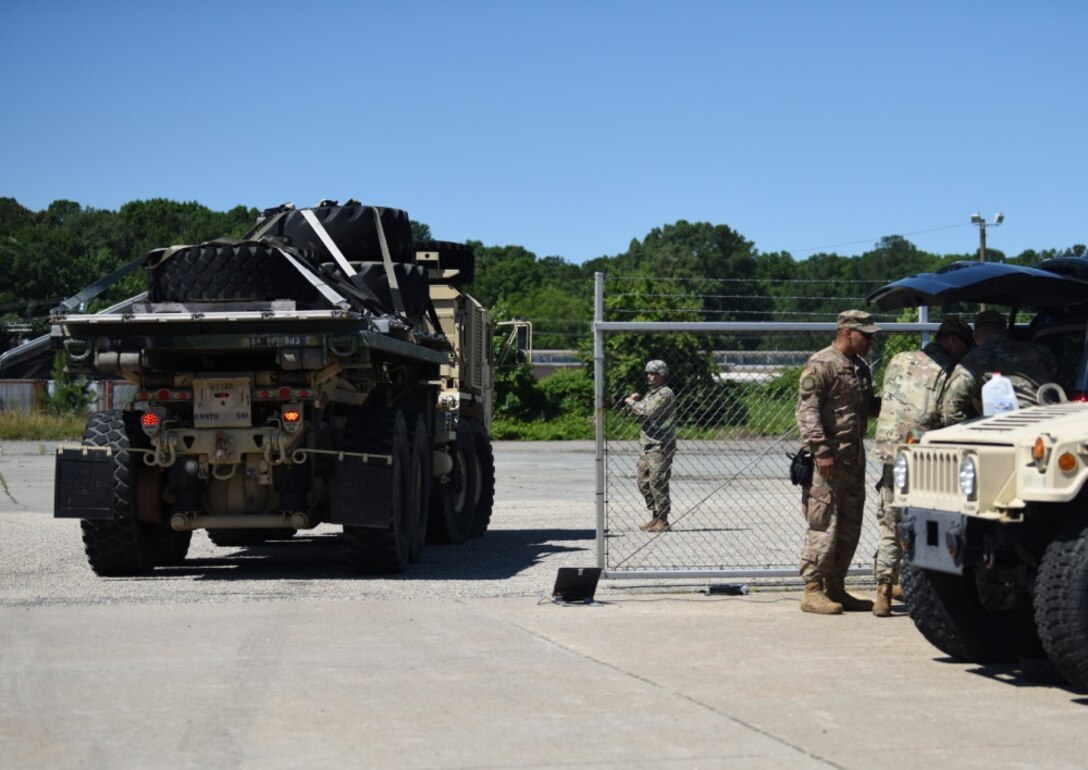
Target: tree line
{"x":48,"y":255}
{"x":684,"y":271}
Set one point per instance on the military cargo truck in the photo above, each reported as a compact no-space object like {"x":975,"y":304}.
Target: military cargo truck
{"x":323,"y":369}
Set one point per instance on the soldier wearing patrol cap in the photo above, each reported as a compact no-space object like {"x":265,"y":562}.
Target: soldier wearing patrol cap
{"x":914,"y":385}
{"x":656,"y":414}
{"x":1027,"y":365}
{"x":835,"y":401}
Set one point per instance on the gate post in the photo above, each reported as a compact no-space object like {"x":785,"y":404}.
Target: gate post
{"x":599,"y":407}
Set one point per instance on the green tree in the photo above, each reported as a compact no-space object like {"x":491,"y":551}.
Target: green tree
{"x":70,"y":392}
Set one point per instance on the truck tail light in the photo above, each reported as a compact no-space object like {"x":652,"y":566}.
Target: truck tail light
{"x":151,"y":421}
{"x":292,"y":417}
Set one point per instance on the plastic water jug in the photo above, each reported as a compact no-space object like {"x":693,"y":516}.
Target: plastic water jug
{"x":998,"y":395}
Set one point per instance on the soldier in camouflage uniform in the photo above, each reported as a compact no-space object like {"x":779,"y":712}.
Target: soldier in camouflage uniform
{"x":1028,"y":366}
{"x":914,"y":384}
{"x":835,"y":401}
{"x":655,"y":414}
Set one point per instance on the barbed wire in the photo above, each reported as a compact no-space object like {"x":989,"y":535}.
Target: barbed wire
{"x":880,"y":281}
{"x":732,"y":296}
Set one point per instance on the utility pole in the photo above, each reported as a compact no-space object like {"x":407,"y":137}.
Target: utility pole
{"x":976,"y":219}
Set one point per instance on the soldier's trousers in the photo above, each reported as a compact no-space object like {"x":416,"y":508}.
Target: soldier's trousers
{"x":654,"y":470}
{"x":889,"y":551}
{"x":833,"y":511}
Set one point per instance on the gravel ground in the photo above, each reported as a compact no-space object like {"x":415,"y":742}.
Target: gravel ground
{"x":541,"y":522}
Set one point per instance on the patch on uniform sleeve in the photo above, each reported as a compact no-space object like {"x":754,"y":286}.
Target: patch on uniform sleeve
{"x":808,"y":383}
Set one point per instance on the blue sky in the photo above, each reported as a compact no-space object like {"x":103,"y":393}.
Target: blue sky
{"x":566,"y":127}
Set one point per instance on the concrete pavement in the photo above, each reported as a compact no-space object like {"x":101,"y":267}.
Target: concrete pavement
{"x":647,"y":680}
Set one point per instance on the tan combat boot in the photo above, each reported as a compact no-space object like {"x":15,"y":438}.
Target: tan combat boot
{"x":883,"y":606}
{"x":658,"y":525}
{"x":897,"y":592}
{"x":836,"y":592}
{"x":815,"y":600}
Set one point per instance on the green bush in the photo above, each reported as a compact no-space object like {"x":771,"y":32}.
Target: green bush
{"x":71,"y":394}
{"x":568,"y":427}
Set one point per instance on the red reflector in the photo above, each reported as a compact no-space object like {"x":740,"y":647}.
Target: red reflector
{"x":222,"y":394}
{"x":285,"y":392}
{"x":264,"y":394}
{"x":149,"y":420}
{"x":143,"y":395}
{"x":303,"y":393}
{"x":291,"y":415}
{"x":164,"y":395}
{"x":182,"y":395}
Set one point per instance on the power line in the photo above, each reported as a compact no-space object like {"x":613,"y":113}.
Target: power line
{"x":873,"y":240}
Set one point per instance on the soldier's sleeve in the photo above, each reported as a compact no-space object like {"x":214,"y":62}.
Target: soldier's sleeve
{"x":811,"y":391}
{"x":957,"y":403}
{"x":650,"y":407}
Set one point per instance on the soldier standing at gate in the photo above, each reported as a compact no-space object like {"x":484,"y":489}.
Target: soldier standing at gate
{"x":655,"y":414}
{"x":834,"y":403}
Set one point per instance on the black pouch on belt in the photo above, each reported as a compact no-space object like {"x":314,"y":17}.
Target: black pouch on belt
{"x":802,"y":466}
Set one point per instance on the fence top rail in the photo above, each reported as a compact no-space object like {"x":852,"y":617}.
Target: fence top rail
{"x":749,"y":326}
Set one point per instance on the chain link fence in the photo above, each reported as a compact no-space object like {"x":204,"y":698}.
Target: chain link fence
{"x":734,"y":512}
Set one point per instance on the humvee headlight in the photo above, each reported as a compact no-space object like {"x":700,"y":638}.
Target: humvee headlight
{"x":968,"y":477}
{"x":899,"y":472}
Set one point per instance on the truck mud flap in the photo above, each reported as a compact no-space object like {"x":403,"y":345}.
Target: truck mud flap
{"x":361,"y":492}
{"x":83,"y":484}
{"x":934,"y":540}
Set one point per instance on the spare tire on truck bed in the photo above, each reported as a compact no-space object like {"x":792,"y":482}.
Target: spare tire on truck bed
{"x":352,"y":229}
{"x":226,"y":272}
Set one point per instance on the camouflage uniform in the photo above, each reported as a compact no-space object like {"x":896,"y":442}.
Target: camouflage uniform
{"x":836,"y":393}
{"x":655,"y":414}
{"x":1028,"y":366}
{"x":914,"y":384}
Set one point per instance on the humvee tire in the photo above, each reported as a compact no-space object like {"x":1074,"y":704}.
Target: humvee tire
{"x":947,"y":610}
{"x":1061,"y":602}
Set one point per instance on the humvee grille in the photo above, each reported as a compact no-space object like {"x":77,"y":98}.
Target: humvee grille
{"x":935,"y":471}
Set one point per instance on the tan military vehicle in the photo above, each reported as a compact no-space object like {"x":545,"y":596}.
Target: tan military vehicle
{"x":325,"y":369}
{"x":995,"y":524}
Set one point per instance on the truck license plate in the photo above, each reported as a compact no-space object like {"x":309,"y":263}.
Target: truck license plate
{"x":222,"y":403}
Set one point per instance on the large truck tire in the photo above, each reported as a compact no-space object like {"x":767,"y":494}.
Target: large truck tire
{"x":947,"y":610}
{"x":121,"y":546}
{"x":1061,"y":602}
{"x":240,"y":272}
{"x":453,"y":256}
{"x":351,"y":227}
{"x":171,"y":547}
{"x":452,"y":508}
{"x":420,"y":474}
{"x":369,"y":549}
{"x":485,"y":463}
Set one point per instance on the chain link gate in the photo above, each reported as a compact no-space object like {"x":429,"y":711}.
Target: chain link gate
{"x":734,"y":512}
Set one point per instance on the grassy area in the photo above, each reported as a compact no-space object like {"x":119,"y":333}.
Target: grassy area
{"x":40,"y":426}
